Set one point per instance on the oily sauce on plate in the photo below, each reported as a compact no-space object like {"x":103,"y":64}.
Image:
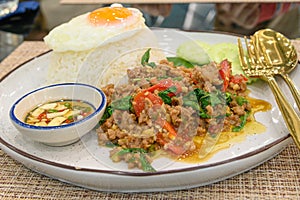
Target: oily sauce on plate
{"x":226,"y":139}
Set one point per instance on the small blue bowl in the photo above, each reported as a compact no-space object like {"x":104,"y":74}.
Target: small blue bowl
{"x":63,"y":134}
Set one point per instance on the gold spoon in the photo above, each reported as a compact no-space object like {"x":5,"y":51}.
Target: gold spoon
{"x":279,"y":55}
{"x":253,"y":66}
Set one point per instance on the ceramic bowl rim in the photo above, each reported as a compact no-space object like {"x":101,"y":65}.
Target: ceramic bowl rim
{"x":27,"y":126}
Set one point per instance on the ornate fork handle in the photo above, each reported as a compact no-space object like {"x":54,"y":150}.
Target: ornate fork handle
{"x":294,"y":90}
{"x":291,"y":118}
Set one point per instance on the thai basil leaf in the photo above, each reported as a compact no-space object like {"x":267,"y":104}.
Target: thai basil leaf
{"x":130,"y":150}
{"x":215,"y":98}
{"x":164,"y":95}
{"x":177,"y":61}
{"x":145,"y":59}
{"x":199,"y":93}
{"x":241,"y":100}
{"x":242,"y":124}
{"x":122,"y":104}
{"x":192,"y":99}
{"x":228,"y":98}
{"x":110,"y":144}
{"x":199,"y":100}
{"x":107,"y":113}
{"x":146,"y":166}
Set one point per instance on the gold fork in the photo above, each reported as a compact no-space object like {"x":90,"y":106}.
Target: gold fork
{"x":277,"y":52}
{"x":253,"y":67}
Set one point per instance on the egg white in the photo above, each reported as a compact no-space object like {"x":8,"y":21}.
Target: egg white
{"x":79,"y":34}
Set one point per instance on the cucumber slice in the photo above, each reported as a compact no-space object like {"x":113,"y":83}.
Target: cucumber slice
{"x":193,"y":52}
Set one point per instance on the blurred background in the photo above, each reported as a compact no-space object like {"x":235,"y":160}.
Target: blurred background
{"x":32,"y":20}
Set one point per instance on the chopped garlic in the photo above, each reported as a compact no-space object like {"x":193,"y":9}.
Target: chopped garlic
{"x":41,"y":124}
{"x":57,"y":114}
{"x":37,"y":112}
{"x":72,"y":113}
{"x":57,"y":121}
{"x":60,"y":107}
{"x":32,"y":120}
{"x":49,"y":106}
{"x":148,"y":132}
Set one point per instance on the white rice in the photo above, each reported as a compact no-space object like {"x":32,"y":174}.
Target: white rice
{"x":89,"y":66}
{"x":115,"y":72}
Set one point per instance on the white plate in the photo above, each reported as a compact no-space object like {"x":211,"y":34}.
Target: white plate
{"x":87,"y":165}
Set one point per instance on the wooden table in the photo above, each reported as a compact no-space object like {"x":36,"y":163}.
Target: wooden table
{"x":278,"y":178}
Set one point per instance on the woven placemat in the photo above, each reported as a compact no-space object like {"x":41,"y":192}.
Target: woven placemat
{"x":278,"y":178}
{"x":26,"y":51}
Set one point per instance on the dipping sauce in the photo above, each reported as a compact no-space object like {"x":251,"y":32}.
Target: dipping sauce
{"x":58,"y":113}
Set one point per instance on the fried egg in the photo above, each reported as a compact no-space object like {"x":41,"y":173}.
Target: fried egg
{"x":93,"y":29}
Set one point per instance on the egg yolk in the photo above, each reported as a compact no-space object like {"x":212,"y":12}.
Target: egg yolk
{"x":109,"y":16}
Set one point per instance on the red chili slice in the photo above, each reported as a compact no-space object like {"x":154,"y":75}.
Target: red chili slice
{"x":238,"y":79}
{"x":139,"y":101}
{"x":225,"y":73}
{"x":166,"y":125}
{"x":166,"y":84}
{"x":43,"y":115}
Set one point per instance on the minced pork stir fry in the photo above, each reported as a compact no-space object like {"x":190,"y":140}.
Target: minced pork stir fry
{"x":166,"y":104}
